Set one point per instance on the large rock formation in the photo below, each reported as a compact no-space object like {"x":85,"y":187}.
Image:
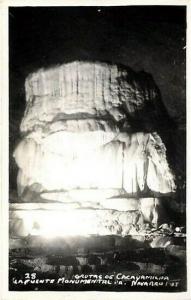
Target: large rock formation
{"x":78,"y":90}
{"x":90,"y":136}
{"x":67,"y":160}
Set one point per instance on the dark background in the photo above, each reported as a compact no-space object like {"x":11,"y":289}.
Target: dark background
{"x":149,"y":38}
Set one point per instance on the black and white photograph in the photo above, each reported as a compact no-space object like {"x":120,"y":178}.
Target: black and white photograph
{"x":97,"y":148}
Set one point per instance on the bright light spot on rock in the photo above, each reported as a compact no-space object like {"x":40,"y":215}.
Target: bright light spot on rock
{"x":177,"y":229}
{"x":68,"y":223}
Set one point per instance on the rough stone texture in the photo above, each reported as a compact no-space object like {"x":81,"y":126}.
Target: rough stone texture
{"x":80,"y":90}
{"x":90,"y":140}
{"x":79,"y":120}
{"x":122,"y":216}
{"x":87,"y":222}
{"x":128,"y":162}
{"x":120,"y":204}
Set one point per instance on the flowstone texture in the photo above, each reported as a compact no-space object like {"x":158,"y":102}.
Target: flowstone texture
{"x":80,"y":90}
{"x":91,"y":140}
{"x":66,"y":160}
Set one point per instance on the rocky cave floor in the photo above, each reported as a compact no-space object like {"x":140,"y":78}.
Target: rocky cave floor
{"x":153,"y":261}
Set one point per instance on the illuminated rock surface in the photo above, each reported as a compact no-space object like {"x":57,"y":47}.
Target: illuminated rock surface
{"x":90,"y":141}
{"x":82,"y":90}
{"x":88,"y":221}
{"x":66,"y":160}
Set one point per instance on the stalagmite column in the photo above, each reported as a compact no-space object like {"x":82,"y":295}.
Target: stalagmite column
{"x":90,"y":139}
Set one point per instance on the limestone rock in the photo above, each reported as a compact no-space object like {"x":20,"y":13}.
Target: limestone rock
{"x":78,"y":127}
{"x":79,"y":90}
{"x":90,"y":143}
{"x":67,"y":161}
{"x":35,"y":222}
